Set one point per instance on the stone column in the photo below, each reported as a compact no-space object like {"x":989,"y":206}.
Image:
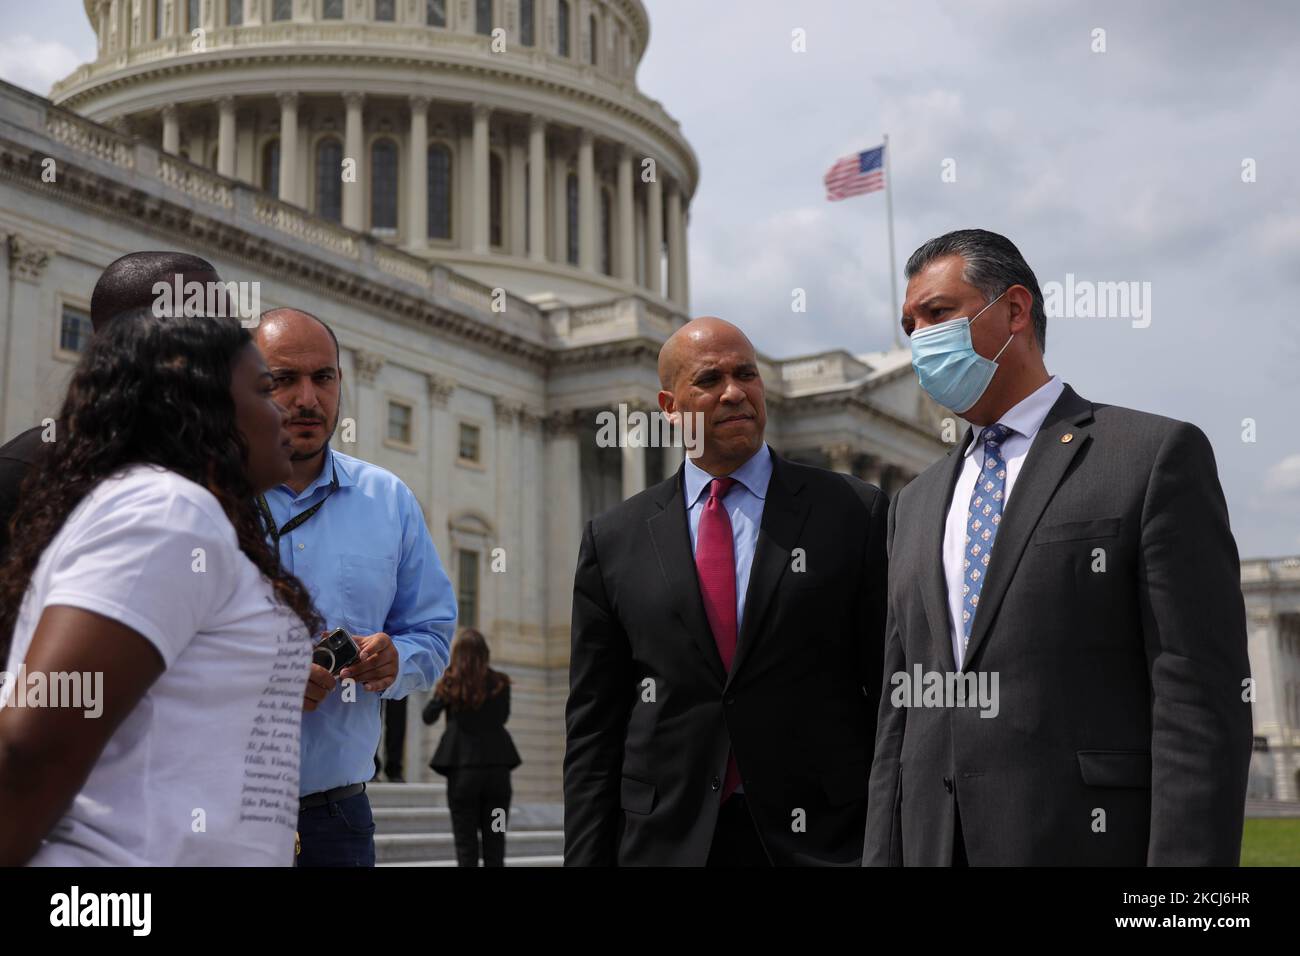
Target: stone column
{"x":562,"y":530}
{"x":634,"y":456}
{"x":874,"y":473}
{"x":371,"y":414}
{"x":841,"y":457}
{"x":171,"y":142}
{"x":559,"y":209}
{"x":517,"y":220}
{"x":354,"y":206}
{"x":654,"y":233}
{"x":586,"y":202}
{"x":417,"y":217}
{"x":226,"y":136}
{"x":639,"y":228}
{"x":676,"y":286}
{"x":27,"y":263}
{"x":480,"y":199}
{"x":463,"y":180}
{"x":537,"y":189}
{"x":686,"y":256}
{"x":626,"y":269}
{"x":289,"y":146}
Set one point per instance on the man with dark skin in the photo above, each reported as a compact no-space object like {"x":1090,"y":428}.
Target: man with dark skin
{"x":127,"y":283}
{"x":708,"y":367}
{"x":727,"y":628}
{"x":356,"y":536}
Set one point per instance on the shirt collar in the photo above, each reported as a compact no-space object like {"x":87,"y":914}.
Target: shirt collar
{"x":754,"y":474}
{"x":332,"y":461}
{"x":1026,"y":417}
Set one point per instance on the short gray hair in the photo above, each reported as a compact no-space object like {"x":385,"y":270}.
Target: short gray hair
{"x":992,"y":264}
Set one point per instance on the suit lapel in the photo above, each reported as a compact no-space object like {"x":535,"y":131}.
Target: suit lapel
{"x":934,"y":584}
{"x":784,"y":512}
{"x":1041,"y":473}
{"x":672,"y":543}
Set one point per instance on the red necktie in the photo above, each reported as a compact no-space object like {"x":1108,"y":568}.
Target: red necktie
{"x":715,"y":563}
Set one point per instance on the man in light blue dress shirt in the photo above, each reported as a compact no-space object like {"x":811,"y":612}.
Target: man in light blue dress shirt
{"x":364,"y":552}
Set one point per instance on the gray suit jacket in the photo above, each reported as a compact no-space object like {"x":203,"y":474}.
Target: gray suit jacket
{"x":1122,"y":737}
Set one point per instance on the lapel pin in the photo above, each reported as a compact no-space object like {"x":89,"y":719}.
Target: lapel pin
{"x":1067,"y":438}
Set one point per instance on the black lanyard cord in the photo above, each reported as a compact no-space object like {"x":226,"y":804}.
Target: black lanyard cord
{"x":299,"y":519}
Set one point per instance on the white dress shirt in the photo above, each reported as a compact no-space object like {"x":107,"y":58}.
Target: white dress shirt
{"x":1024,"y":420}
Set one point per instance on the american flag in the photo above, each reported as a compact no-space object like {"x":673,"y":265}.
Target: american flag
{"x":857,"y":174}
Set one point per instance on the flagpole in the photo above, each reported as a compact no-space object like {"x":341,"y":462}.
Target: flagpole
{"x":893,"y":269}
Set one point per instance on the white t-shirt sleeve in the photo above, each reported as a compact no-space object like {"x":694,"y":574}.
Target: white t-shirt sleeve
{"x":155,"y":555}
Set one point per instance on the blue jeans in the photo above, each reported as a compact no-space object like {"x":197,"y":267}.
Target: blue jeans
{"x":337,"y":834}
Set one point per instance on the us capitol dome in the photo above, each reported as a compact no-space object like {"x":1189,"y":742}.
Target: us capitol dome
{"x":505,"y":138}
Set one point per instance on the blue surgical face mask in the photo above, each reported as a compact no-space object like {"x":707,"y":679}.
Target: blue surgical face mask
{"x":947,"y":365}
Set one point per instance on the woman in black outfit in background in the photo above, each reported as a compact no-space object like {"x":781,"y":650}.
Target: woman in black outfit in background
{"x":476,"y":753}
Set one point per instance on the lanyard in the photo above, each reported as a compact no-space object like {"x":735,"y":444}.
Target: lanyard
{"x":298,"y":519}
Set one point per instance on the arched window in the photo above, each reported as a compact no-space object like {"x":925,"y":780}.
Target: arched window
{"x":435,"y":13}
{"x":495,"y":185}
{"x":562,"y":27}
{"x":606,"y":233}
{"x":271,"y":167}
{"x":439,"y":167}
{"x":212,"y":157}
{"x":528,"y":211}
{"x":593,"y":38}
{"x":383,"y":185}
{"x":235,"y":12}
{"x":483,"y":17}
{"x":329,"y":179}
{"x":385,"y":10}
{"x":157,"y":19}
{"x":571,"y":215}
{"x":282,"y":10}
{"x":331,"y":9}
{"x":194,"y":18}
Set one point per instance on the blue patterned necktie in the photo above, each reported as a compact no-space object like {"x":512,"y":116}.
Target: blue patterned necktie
{"x":982,"y":520}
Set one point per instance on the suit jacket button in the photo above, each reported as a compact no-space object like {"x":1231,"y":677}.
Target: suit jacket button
{"x":716,"y":784}
{"x":947,"y":784}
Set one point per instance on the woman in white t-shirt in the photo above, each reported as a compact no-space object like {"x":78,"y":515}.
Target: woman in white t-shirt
{"x":159,"y":652}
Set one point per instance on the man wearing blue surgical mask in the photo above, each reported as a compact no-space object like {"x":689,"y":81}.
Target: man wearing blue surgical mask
{"x":1072,"y":564}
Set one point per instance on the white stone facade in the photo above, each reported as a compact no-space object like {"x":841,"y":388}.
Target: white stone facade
{"x":504,"y":352}
{"x":1272,"y":593}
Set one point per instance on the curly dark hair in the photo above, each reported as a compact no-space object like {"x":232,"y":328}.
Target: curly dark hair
{"x":149,"y":390}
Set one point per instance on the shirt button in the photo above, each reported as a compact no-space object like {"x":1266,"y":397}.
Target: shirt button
{"x":301,"y":546}
{"x":716,"y":784}
{"x":947,"y":784}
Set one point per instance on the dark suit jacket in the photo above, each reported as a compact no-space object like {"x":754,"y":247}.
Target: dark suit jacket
{"x":16,"y":459}
{"x":473,"y":738}
{"x":651,"y":714}
{"x":1120,"y":690}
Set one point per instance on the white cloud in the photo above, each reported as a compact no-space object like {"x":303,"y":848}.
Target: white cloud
{"x":35,"y":64}
{"x":1284,"y":477}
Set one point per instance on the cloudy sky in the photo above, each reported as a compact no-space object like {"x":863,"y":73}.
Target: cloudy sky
{"x":1117,"y":166}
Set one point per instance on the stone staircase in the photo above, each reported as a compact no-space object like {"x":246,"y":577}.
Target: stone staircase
{"x":413,"y":828}
{"x":1272,"y":808}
